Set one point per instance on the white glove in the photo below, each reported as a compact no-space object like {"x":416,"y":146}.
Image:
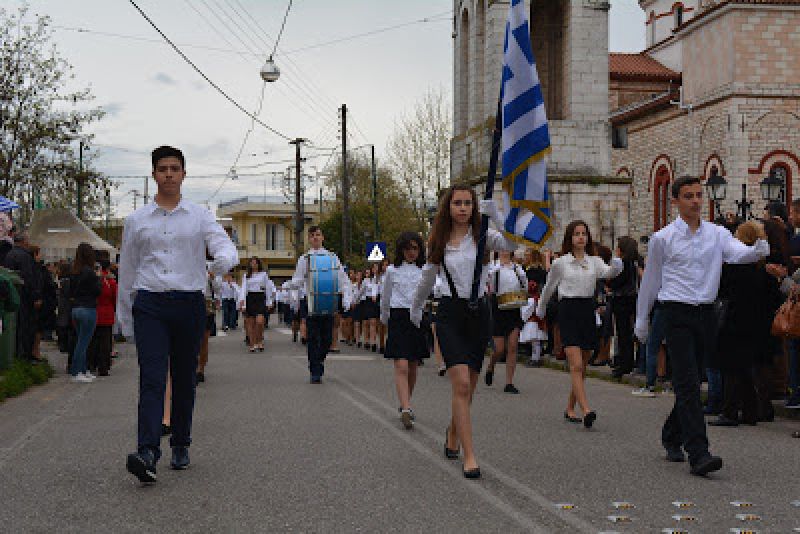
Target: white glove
{"x":489,"y":208}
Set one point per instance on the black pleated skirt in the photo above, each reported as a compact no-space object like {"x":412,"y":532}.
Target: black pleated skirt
{"x":463,"y":335}
{"x":404,"y":340}
{"x":255,"y":304}
{"x":505,"y":321}
{"x":577,"y":322}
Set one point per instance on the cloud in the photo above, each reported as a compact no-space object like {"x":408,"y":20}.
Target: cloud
{"x":164,"y":78}
{"x":113,"y":109}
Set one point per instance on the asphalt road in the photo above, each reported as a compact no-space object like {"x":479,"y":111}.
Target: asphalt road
{"x":273,"y":453}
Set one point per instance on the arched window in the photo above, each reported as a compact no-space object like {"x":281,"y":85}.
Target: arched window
{"x":677,"y":9}
{"x":661,"y":198}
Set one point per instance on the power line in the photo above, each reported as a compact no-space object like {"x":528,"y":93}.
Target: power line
{"x":214,"y":85}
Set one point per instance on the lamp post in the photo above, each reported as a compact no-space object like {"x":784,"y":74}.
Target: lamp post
{"x":772,"y":187}
{"x":716,"y":187}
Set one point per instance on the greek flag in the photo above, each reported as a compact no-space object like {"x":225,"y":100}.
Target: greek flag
{"x":7,"y":205}
{"x":526,"y":138}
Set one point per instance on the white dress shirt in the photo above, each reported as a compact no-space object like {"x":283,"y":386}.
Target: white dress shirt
{"x":259,"y":282}
{"x":576,"y":278}
{"x":460,"y":262}
{"x":299,"y":280}
{"x":399,"y":284}
{"x":685,"y":267}
{"x":166,"y":251}
{"x":507,"y":278}
{"x":229,"y":290}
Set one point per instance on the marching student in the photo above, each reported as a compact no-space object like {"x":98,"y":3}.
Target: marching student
{"x":229,"y":293}
{"x":506,"y":277}
{"x":382,"y":267}
{"x":320,"y":327}
{"x":463,"y":332}
{"x":535,"y":330}
{"x":371,"y":310}
{"x":162,"y":274}
{"x":574,"y":275}
{"x":255,"y":295}
{"x":347,"y":315}
{"x":682,"y":273}
{"x":356,"y":294}
{"x":406,"y":343}
{"x":437,"y":352}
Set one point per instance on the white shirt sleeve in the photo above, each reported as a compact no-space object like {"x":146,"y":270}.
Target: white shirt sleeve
{"x":269,"y":291}
{"x":553,"y":279}
{"x":220,"y":246}
{"x":429,"y":272}
{"x":649,"y":287}
{"x":608,"y":271}
{"x":298,"y":280}
{"x":243,"y":290}
{"x":128,"y":266}
{"x":387,"y":296}
{"x":497,"y":241}
{"x":734,"y":251}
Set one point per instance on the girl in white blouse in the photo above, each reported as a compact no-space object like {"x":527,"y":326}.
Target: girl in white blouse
{"x":463,"y":331}
{"x":575,"y":275}
{"x":255,"y":295}
{"x":406,"y":344}
{"x":370,"y":310}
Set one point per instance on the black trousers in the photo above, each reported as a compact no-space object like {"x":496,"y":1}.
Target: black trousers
{"x":99,"y":353}
{"x":740,"y":394}
{"x":319,"y":329}
{"x":690,"y":333}
{"x":168,"y":329}
{"x":624,"y":309}
{"x":26,"y":327}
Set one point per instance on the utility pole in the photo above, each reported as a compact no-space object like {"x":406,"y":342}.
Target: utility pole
{"x":375,"y":195}
{"x":347,"y":245}
{"x":298,"y":202}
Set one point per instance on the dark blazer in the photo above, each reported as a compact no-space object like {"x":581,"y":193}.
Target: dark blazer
{"x":21,"y":261}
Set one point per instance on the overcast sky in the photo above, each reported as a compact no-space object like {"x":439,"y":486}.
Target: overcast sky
{"x":152,"y":97}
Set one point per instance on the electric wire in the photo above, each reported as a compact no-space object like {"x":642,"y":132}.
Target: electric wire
{"x":206,"y":78}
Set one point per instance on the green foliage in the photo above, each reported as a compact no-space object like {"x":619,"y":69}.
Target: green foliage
{"x":22,"y":375}
{"x":395,"y":212}
{"x":42,"y":120}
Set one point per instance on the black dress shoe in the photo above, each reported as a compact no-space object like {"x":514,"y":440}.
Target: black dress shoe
{"x":472,"y":473}
{"x":201,"y":377}
{"x":571,"y":418}
{"x":450,"y":454}
{"x":166,"y":430}
{"x":358,"y":344}
{"x":180,"y":458}
{"x":707,"y":465}
{"x":723,"y":421}
{"x":334,"y":351}
{"x":488,"y":377}
{"x":142,"y":465}
{"x":675,"y":454}
{"x":316,"y":380}
{"x":510,"y":388}
{"x":589,"y":419}
{"x":303,"y":340}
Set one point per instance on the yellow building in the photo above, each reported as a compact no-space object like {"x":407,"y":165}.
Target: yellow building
{"x":264,"y":228}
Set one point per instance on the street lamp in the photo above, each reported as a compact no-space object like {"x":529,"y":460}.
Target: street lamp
{"x":270,"y":71}
{"x":716,"y":186}
{"x":772,"y":187}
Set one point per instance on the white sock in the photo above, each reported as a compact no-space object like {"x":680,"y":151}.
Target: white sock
{"x":536,"y":351}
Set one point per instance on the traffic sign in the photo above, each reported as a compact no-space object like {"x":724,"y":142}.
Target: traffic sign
{"x":376,"y":250}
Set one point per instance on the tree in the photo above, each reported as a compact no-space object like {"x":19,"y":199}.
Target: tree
{"x":419,"y":151}
{"x":395,"y":211}
{"x":42,"y":122}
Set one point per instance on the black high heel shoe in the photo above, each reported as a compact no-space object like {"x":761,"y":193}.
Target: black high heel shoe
{"x":450,"y":454}
{"x":572,"y":419}
{"x":472,"y":473}
{"x":589,"y":420}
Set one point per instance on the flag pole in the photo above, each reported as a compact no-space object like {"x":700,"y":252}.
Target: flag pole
{"x":490,"y":179}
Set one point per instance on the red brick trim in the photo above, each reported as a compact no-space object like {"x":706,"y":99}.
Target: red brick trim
{"x":712,"y":159}
{"x":625,"y":170}
{"x":779,"y":152}
{"x":662,"y":158}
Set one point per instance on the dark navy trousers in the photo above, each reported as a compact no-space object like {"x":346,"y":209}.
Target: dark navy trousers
{"x":319,"y":329}
{"x":168,"y":328}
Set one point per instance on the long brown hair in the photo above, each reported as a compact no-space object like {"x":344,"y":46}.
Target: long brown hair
{"x":566,"y":245}
{"x":443,"y":224}
{"x":84,"y":257}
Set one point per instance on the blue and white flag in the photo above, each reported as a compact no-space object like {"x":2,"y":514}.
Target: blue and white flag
{"x":526,"y":138}
{"x":7,"y":204}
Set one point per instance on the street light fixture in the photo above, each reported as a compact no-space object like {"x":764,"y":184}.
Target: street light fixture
{"x":772,"y":187}
{"x":716,"y":188}
{"x":270,"y":71}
